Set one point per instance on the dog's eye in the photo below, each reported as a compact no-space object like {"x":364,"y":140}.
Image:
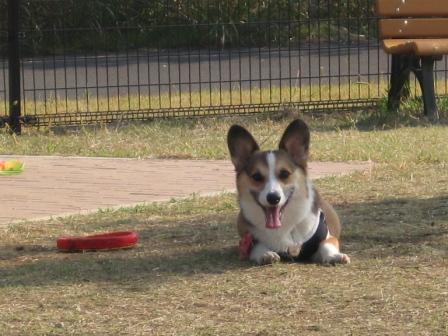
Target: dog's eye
{"x":257,"y":177}
{"x":284,"y":174}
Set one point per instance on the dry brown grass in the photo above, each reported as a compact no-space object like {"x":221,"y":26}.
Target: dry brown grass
{"x":184,"y":277}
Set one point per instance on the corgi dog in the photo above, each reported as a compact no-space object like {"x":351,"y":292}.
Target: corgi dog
{"x":282,"y":216}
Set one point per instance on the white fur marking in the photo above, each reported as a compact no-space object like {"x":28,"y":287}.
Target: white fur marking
{"x":272,"y":184}
{"x":329,"y":250}
{"x":310,"y":189}
{"x":313,"y":230}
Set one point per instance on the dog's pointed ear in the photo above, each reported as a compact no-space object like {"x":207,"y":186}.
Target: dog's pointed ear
{"x":296,"y":142}
{"x":241,"y":146}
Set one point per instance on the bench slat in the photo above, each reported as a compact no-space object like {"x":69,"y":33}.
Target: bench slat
{"x":413,"y":28}
{"x":419,"y":47}
{"x":412,"y":8}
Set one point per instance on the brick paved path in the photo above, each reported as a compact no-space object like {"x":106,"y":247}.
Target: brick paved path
{"x":58,"y":186}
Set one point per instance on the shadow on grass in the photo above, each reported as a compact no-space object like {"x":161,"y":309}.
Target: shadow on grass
{"x":391,"y":228}
{"x":410,"y":115}
{"x":122,"y":267}
{"x":165,"y":249}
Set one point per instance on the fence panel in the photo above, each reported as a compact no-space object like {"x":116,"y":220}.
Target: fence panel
{"x":93,"y":61}
{"x":3,"y":85}
{"x":3,"y":66}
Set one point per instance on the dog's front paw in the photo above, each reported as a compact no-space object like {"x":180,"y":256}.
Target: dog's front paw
{"x":344,"y":259}
{"x":263,"y":255}
{"x":269,"y":257}
{"x":338,"y":258}
{"x":294,"y":250}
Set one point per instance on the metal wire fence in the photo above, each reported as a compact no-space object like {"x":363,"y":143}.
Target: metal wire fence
{"x":3,"y":84}
{"x":89,"y":61}
{"x":3,"y":67}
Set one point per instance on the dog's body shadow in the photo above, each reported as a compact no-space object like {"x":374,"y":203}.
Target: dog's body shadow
{"x":393,"y":227}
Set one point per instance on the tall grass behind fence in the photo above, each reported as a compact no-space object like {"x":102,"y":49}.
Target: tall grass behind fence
{"x":123,"y":21}
{"x":95,"y":60}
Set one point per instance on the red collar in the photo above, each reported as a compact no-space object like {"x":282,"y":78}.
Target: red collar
{"x":245,"y":245}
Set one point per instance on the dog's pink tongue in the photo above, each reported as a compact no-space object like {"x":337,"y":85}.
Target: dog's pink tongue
{"x":273,"y":218}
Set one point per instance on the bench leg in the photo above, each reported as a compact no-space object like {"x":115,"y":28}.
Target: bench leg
{"x":426,"y":79}
{"x":399,"y":80}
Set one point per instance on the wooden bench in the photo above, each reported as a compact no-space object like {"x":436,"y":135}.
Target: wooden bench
{"x":415,"y":32}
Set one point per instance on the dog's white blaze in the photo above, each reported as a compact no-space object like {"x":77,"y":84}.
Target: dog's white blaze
{"x":272,"y":184}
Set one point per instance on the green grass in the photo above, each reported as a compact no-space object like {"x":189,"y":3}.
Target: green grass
{"x":297,"y":92}
{"x":334,"y":138}
{"x":205,"y":138}
{"x":184,"y":277}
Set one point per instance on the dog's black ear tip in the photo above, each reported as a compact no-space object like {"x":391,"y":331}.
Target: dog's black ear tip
{"x":298,"y":123}
{"x":233,"y":128}
{"x":298,"y":126}
{"x":236,"y":130}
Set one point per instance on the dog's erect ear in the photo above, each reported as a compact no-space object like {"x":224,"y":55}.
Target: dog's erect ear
{"x":296,"y":141}
{"x":241,"y":146}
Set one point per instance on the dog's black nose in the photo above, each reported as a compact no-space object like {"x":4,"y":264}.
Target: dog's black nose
{"x":273,"y":198}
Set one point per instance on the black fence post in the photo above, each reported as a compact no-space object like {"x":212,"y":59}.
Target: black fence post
{"x":14,"y":65}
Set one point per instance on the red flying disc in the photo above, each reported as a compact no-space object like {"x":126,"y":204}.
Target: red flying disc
{"x":111,"y":240}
